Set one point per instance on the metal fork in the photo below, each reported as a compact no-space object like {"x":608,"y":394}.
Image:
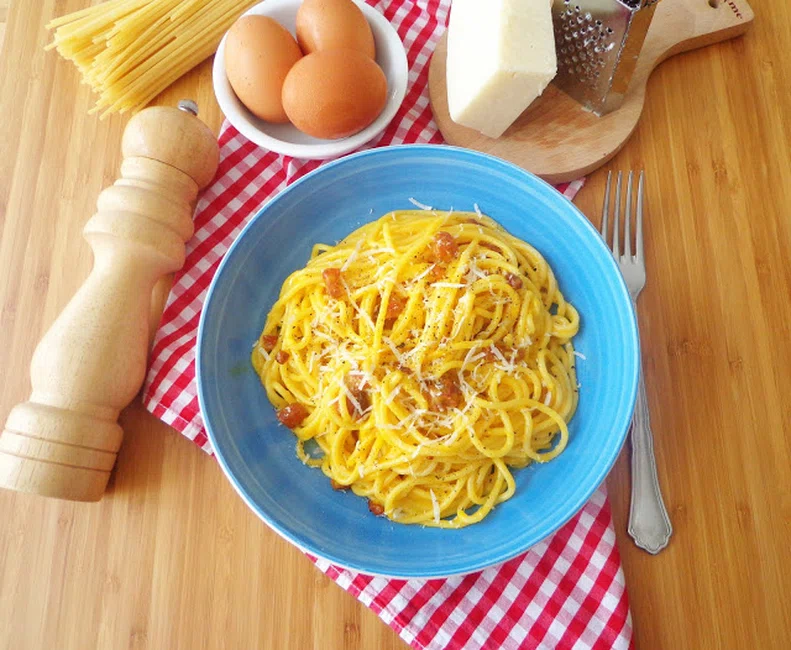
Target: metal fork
{"x":649,"y":524}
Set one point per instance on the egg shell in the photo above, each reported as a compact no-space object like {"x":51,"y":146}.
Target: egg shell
{"x":333,"y":24}
{"x":333,"y":94}
{"x":259,"y":52}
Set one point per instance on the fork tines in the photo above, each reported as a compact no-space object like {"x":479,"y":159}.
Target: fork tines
{"x":614,"y":242}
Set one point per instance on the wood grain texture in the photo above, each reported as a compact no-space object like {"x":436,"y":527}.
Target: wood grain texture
{"x":559,"y":140}
{"x":171,"y":557}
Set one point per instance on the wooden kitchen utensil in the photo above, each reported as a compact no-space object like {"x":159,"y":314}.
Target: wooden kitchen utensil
{"x":91,"y":363}
{"x":556,"y":138}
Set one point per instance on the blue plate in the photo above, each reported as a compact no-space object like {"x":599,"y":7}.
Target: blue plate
{"x":258,"y":456}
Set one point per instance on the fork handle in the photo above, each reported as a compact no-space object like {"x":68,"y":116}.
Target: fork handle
{"x":649,"y":523}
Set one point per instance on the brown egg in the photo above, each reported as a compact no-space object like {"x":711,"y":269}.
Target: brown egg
{"x":259,"y":52}
{"x":334,"y":93}
{"x":333,"y":24}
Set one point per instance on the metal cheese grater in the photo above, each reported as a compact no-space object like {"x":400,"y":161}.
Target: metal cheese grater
{"x":597,"y":44}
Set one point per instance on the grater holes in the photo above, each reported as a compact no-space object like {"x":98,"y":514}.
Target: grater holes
{"x":585,"y":41}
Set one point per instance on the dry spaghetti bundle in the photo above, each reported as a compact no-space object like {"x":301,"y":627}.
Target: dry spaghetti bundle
{"x":129,"y":51}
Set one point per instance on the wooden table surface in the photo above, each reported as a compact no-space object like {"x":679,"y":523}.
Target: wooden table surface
{"x":172,"y":558}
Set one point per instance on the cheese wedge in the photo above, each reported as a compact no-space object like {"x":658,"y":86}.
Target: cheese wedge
{"x":501,"y":57}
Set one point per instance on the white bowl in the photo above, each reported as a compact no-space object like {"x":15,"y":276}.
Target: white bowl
{"x":286,"y":138}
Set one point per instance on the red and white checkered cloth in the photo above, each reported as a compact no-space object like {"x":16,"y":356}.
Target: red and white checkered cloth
{"x":566,"y":592}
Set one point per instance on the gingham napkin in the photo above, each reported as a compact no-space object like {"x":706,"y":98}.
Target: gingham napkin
{"x":566,"y":592}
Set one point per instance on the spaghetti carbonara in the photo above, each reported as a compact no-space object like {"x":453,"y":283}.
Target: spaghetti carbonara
{"x":420,"y":360}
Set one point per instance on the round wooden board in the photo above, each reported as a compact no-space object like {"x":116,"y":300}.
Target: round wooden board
{"x":556,"y":138}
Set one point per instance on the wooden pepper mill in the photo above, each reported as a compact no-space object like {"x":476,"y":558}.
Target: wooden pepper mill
{"x":92,"y":362}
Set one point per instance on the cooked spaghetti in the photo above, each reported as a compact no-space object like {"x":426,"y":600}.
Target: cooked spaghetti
{"x":423,"y":357}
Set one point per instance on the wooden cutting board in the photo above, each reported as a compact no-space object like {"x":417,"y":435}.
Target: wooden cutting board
{"x":556,"y":138}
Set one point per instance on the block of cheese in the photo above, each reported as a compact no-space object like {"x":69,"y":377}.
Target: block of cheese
{"x":501,"y":57}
